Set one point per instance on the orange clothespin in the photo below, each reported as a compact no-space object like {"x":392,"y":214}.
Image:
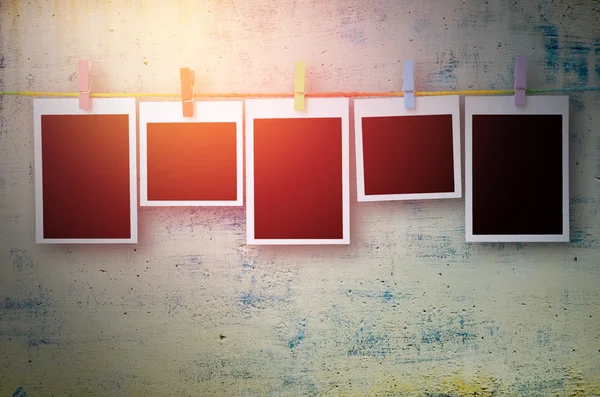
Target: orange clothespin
{"x":299,"y":85}
{"x":84,"y":84}
{"x":187,"y":91}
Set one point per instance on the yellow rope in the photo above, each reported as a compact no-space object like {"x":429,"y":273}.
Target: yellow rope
{"x":290,"y":95}
{"x":255,"y":95}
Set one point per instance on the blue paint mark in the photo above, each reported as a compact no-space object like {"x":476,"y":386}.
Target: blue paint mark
{"x":37,"y":342}
{"x":583,"y":239}
{"x":370,"y":344}
{"x":597,"y":64}
{"x":543,"y":337}
{"x":550,"y":387}
{"x":354,"y":36}
{"x":422,"y":25}
{"x":247,"y":266}
{"x":576,"y":65}
{"x":598,"y":163}
{"x":494,"y":330}
{"x":20,"y":392}
{"x":444,"y":76}
{"x":419,"y":237}
{"x":579,"y":199}
{"x":299,"y":336}
{"x":16,"y":304}
{"x":578,"y":104}
{"x":551,"y":46}
{"x":441,"y":336}
{"x":250,"y":299}
{"x":387,"y":295}
{"x":21,"y":258}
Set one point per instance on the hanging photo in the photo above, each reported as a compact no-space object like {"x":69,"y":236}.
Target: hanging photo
{"x":407,"y":154}
{"x":517,"y":169}
{"x":297,"y":172}
{"x":191,"y":161}
{"x":85,"y":171}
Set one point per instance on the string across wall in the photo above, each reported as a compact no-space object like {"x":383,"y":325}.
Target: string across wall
{"x":343,"y":94}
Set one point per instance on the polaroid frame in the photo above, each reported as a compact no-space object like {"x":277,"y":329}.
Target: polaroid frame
{"x":505,"y":105}
{"x":424,"y":106}
{"x":284,"y":108}
{"x":70,"y":106}
{"x":204,"y":112}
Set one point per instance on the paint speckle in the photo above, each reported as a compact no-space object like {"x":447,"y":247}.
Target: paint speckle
{"x":16,"y":304}
{"x":577,"y":102}
{"x":20,"y":392}
{"x":21,"y":259}
{"x":388,"y":296}
{"x":597,"y":57}
{"x":354,"y":36}
{"x":583,"y":239}
{"x":369,"y":343}
{"x":575,"y":64}
{"x":37,"y":342}
{"x":551,"y":47}
{"x":299,"y":335}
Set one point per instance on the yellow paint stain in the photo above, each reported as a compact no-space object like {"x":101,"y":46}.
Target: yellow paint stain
{"x":463,"y":386}
{"x":456,"y":385}
{"x":577,"y":385}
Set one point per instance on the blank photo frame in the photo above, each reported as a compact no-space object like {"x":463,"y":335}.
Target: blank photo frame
{"x":407,"y":154}
{"x":517,"y":169}
{"x":191,"y":161}
{"x":297,"y":172}
{"x":85,"y":171}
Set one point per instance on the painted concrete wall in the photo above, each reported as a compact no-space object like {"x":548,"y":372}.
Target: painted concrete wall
{"x":408,"y":309}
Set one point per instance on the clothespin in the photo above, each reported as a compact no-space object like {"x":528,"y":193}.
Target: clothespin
{"x":520,"y":80}
{"x":84,"y":84}
{"x":408,"y":84}
{"x":187,"y":92}
{"x":299,"y":85}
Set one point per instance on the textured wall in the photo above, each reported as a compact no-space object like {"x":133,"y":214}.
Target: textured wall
{"x":407,"y":309}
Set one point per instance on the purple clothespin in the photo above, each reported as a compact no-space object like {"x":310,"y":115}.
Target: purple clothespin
{"x":520,"y":80}
{"x":408,"y":84}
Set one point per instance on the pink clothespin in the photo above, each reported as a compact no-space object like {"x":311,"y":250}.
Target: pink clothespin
{"x":187,"y":91}
{"x":85,"y":85}
{"x":520,"y":80}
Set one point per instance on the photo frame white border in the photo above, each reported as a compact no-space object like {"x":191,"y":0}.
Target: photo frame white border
{"x":505,"y":105}
{"x":70,"y":106}
{"x":424,"y":106}
{"x":204,"y":112}
{"x":284,"y":108}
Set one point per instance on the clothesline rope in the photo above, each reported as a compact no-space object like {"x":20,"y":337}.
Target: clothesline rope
{"x":350,"y":94}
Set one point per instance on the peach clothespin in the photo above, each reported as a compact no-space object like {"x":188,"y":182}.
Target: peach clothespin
{"x":84,"y":83}
{"x":187,"y":92}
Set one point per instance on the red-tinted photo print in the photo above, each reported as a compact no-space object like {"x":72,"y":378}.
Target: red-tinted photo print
{"x":191,"y":161}
{"x":297,"y":172}
{"x":407,"y":154}
{"x":85,"y":171}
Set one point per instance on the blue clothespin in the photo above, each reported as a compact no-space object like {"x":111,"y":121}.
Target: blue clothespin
{"x":408,"y":84}
{"x":520,"y":80}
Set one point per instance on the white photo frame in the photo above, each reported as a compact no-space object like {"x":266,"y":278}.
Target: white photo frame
{"x":424,"y":106}
{"x":284,"y":109}
{"x":70,"y":106}
{"x":505,"y":105}
{"x":204,"y":112}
